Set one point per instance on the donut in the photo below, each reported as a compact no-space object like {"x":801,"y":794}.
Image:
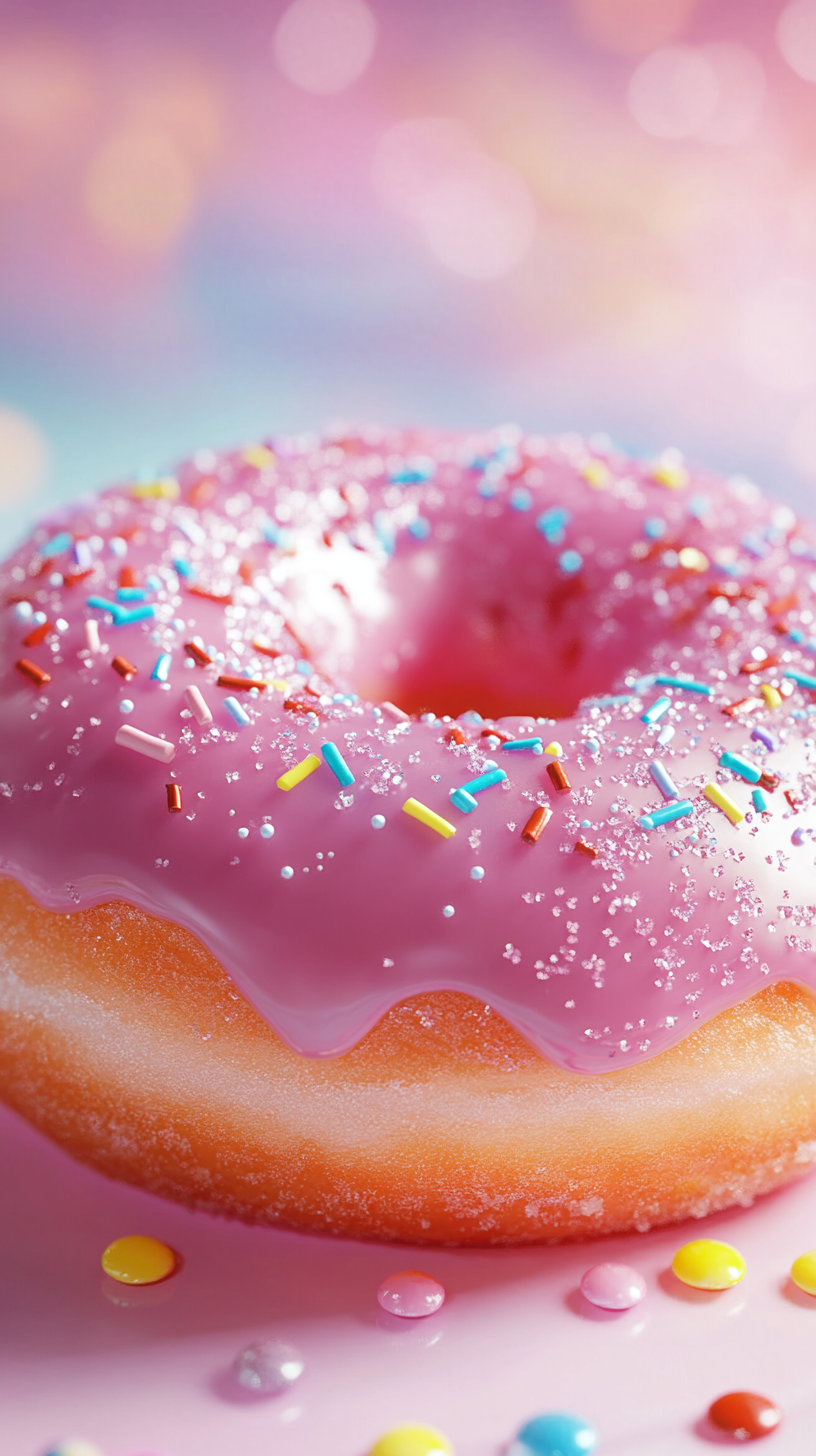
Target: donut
{"x":410,"y":835}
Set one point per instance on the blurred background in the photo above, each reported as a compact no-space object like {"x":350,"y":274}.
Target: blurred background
{"x":221,"y":218}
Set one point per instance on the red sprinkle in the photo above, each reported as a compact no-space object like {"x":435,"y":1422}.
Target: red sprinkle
{"x":536,"y":824}
{"x":581,"y":847}
{"x":128,"y":576}
{"x":454,"y":735}
{"x":173,"y":798}
{"x":754,"y":666}
{"x":201,"y":657}
{"x":261,"y":645}
{"x":496,"y":733}
{"x":742,"y":705}
{"x":558,"y":778}
{"x":124,"y":668}
{"x":744,"y":1416}
{"x":243,"y":684}
{"x":38,"y":635}
{"x":794,"y":802}
{"x":223,"y":599}
{"x":32,"y":671}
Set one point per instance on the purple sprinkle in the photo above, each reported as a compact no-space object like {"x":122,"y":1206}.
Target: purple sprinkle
{"x":761,"y":735}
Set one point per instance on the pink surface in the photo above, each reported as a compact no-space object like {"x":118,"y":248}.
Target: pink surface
{"x":514,"y":1338}
{"x":436,"y":569}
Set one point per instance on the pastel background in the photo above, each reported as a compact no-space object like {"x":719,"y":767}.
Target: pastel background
{"x":221,"y":219}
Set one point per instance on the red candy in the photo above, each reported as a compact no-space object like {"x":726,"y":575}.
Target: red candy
{"x":744,"y":1416}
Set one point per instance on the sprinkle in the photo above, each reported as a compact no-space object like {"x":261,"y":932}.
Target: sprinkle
{"x":448,"y":911}
{"x":92,"y":641}
{"x":663,"y":779}
{"x":742,"y":705}
{"x":744,"y":1415}
{"x":485,"y":781}
{"x":39,"y":634}
{"x":670,"y":471}
{"x":772,"y":695}
{"x":497,"y":733}
{"x":166,"y":488}
{"x":759,"y":801}
{"x":30,"y":670}
{"x":581,"y":847}
{"x":708,"y":1264}
{"x":663,"y":680}
{"x":521,"y":499}
{"x":715,"y":795}
{"x":235,"y":711}
{"x":461,"y":799}
{"x":427,"y":816}
{"x":665,"y":735}
{"x":758,"y":665}
{"x":184,"y":567}
{"x":804,"y":679}
{"x":258,"y":455}
{"x":241,"y":684}
{"x":198,"y":707}
{"x":266,"y":831}
{"x":558,"y":778}
{"x":173,"y":798}
{"x":243,"y":834}
{"x":124,"y":668}
{"x":412,"y":1440}
{"x":138,"y":1259}
{"x":161,"y":670}
{"x":337,"y":764}
{"x":803,"y":1272}
{"x":741,"y":766}
{"x":761,"y":735}
{"x":477,"y":873}
{"x":59,"y":543}
{"x":198,"y":654}
{"x":146,"y":743}
{"x":692,"y":559}
{"x":378,"y":821}
{"x":654,"y":527}
{"x":301,"y":771}
{"x":531,"y":743}
{"x":454,"y":735}
{"x":224,"y":599}
{"x":551,"y":524}
{"x":23,"y":611}
{"x":794,"y":802}
{"x":263,"y":645}
{"x":555,"y":1434}
{"x":656,"y":711}
{"x":536,"y":824}
{"x":570,"y":561}
{"x":394,"y":712}
{"x":597,"y":474}
{"x":287,"y":872}
{"x":126,"y":705}
{"x":554,"y":749}
{"x":131,"y":594}
{"x":667,"y":814}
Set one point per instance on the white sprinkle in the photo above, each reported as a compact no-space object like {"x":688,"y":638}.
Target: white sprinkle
{"x":267,"y":830}
{"x":243,"y":834}
{"x":92,"y":641}
{"x":158,"y":748}
{"x":477,"y":873}
{"x":198,"y":707}
{"x":39,"y":618}
{"x":61,"y":624}
{"x":117,"y":546}
{"x":378,"y":821}
{"x":23,"y":611}
{"x":287,"y":872}
{"x":126,"y":706}
{"x":447,"y":911}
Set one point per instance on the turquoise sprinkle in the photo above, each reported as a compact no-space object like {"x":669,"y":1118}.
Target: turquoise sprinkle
{"x":58,"y":543}
{"x":666,"y":814}
{"x":183,"y":567}
{"x":420,"y":528}
{"x":413,"y":472}
{"x":759,"y":801}
{"x":654,"y":528}
{"x":131,"y":594}
{"x":802,"y":678}
{"x":235,"y":710}
{"x":656,"y":711}
{"x":461,"y":799}
{"x":337,"y":764}
{"x":101,"y":604}
{"x":123,"y":617}
{"x":532,"y":743}
{"x":552,"y":524}
{"x":384,"y":531}
{"x":665,"y":681}
{"x":741,"y":766}
{"x":570,"y":561}
{"x":161,"y":671}
{"x":521,"y":499}
{"x":485,"y":781}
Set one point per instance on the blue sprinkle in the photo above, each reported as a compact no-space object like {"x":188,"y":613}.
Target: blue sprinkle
{"x":654,"y":528}
{"x":663,"y":779}
{"x":461,"y":799}
{"x":667,"y":814}
{"x":124,"y":617}
{"x":754,"y":544}
{"x":485,"y":781}
{"x":656,"y":711}
{"x":761,"y":735}
{"x":532,"y":743}
{"x":420,"y":528}
{"x":609,"y":702}
{"x":487,"y":488}
{"x":759,"y":801}
{"x":131,"y":594}
{"x":521,"y":499}
{"x":796,"y":634}
{"x":664,"y":681}
{"x":570,"y":561}
{"x":592,"y":745}
{"x":235,"y":710}
{"x":384,"y":531}
{"x":552,"y":524}
{"x":101,"y":604}
{"x":153,"y":583}
{"x":741,"y":766}
{"x":557,"y":1435}
{"x":586,"y":824}
{"x":184,"y":567}
{"x":161,"y":671}
{"x":276,"y":535}
{"x":57,"y":544}
{"x":414,"y":471}
{"x":337,"y":764}
{"x":304,"y":668}
{"x":802,"y":678}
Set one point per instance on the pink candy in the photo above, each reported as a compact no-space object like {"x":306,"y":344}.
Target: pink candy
{"x":411,"y":1295}
{"x":613,"y":1286}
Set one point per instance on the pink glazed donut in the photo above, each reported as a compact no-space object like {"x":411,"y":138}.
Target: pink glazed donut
{"x":525,"y":956}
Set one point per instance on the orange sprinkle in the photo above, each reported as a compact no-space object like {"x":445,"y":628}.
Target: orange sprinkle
{"x":558,"y":778}
{"x":293,"y":706}
{"x":496,"y":733}
{"x":173,"y":798}
{"x":742,"y":705}
{"x":202,"y":491}
{"x":246,"y":571}
{"x":201,"y":657}
{"x":536,"y":824}
{"x":753,"y":666}
{"x":454,"y":735}
{"x":243,"y":684}
{"x":73,"y":578}
{"x":38,"y":635}
{"x":32,"y":671}
{"x":581,"y":847}
{"x":223,"y":598}
{"x":261,"y":645}
{"x":124,"y":668}
{"x":128,"y":576}
{"x":784,"y":604}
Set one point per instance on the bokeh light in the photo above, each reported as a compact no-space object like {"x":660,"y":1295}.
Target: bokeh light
{"x":796,"y":37}
{"x":674,"y":92}
{"x":24,"y":457}
{"x":633,"y":25}
{"x":140,"y":189}
{"x":325,"y":45}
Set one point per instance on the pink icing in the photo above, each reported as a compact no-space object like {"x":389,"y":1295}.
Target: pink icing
{"x":464,"y":575}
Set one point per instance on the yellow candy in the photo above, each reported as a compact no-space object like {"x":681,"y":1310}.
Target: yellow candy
{"x":301,"y":771}
{"x":554,"y":748}
{"x":412,"y":1441}
{"x":772,"y":695}
{"x":597,"y":474}
{"x":138,"y":1259}
{"x":708,"y":1264}
{"x":803,"y":1272}
{"x":258,"y":455}
{"x":165,"y":489}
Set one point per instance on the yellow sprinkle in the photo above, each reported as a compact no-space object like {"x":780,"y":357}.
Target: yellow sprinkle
{"x":555,"y":749}
{"x":301,"y":771}
{"x":258,"y":455}
{"x":427,"y":816}
{"x":165,"y":489}
{"x":708,"y":1264}
{"x":138,"y":1259}
{"x":412,"y":1441}
{"x":716,"y":796}
{"x":597,"y":474}
{"x":278,"y":683}
{"x":670,"y":471}
{"x":692,"y":560}
{"x":772,"y":695}
{"x":803,"y":1272}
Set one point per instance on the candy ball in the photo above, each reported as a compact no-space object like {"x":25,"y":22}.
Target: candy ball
{"x":744,"y":1416}
{"x":138,"y":1259}
{"x":613,"y":1286}
{"x":803,"y":1272}
{"x":411,"y":1295}
{"x":268,"y":1367}
{"x":555,"y":1435}
{"x":412,"y":1441}
{"x":708,"y":1264}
